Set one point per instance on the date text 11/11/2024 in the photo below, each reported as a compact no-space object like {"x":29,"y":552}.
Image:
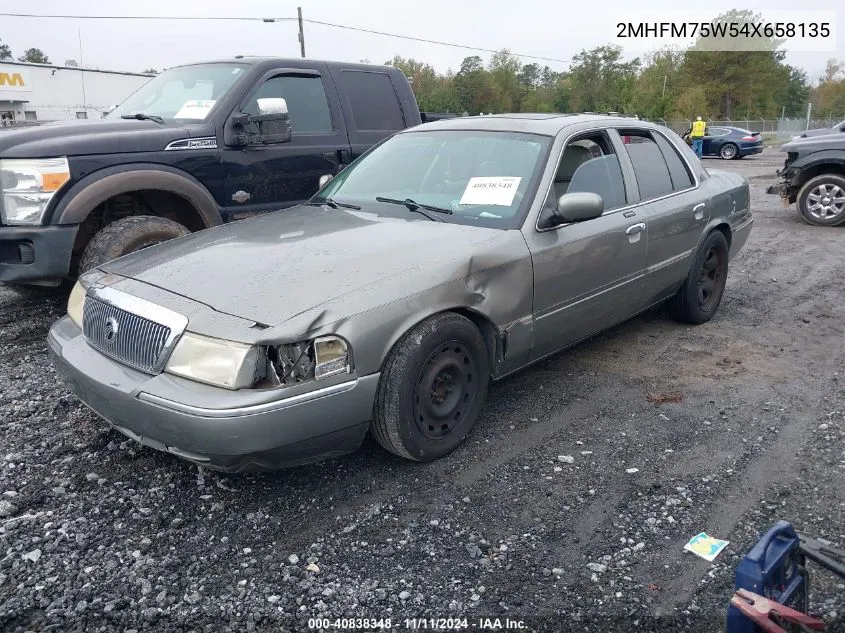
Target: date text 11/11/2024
{"x":417,"y":624}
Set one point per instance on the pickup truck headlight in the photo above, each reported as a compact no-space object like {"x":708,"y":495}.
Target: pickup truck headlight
{"x":214,"y":361}
{"x":28,"y":185}
{"x":76,"y":303}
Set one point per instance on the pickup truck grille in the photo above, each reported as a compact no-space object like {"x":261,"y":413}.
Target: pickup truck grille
{"x":123,"y":336}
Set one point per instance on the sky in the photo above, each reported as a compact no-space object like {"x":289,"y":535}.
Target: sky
{"x":542,"y":28}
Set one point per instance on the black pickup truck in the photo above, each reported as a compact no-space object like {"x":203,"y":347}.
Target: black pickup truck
{"x":196,"y":146}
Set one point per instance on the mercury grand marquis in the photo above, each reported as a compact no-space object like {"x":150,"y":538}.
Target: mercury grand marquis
{"x":448,"y":256}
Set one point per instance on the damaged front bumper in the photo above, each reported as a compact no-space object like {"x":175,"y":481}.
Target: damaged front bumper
{"x":216,"y":428}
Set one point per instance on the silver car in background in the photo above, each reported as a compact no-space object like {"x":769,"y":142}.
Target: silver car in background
{"x":450,"y":255}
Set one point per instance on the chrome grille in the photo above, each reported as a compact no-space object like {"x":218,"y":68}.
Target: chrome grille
{"x":125,"y":337}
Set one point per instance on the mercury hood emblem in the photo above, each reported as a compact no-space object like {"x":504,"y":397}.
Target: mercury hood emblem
{"x":111,"y":329}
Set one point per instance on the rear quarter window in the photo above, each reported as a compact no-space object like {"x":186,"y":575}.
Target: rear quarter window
{"x":375,"y":106}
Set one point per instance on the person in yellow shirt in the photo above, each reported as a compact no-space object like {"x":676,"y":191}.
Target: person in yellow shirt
{"x":697,"y":136}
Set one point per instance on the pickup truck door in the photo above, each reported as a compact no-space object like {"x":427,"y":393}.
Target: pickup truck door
{"x":280,"y":175}
{"x":372,"y":106}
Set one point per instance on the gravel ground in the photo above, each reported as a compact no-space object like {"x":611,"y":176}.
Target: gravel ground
{"x":535,"y":517}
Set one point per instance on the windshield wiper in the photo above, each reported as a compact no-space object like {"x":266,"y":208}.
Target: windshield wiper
{"x":140,"y":116}
{"x":417,"y":207}
{"x":333,"y":204}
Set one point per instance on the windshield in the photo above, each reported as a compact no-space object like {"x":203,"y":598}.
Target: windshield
{"x":186,"y":92}
{"x":484,"y":178}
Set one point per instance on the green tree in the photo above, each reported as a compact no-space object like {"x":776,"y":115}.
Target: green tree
{"x":34,"y":56}
{"x":739,"y":82}
{"x":473,"y":90}
{"x":659,"y":84}
{"x":507,"y":90}
{"x":5,"y":52}
{"x":601,"y":81}
{"x":829,"y":99}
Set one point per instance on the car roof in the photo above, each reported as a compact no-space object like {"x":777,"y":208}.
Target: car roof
{"x":549,"y":124}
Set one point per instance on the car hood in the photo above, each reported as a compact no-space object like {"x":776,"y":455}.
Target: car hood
{"x":815,"y":143}
{"x":274,"y":267}
{"x":107,"y":136}
{"x":820,"y":132}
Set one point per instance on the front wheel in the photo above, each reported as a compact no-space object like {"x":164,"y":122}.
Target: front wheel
{"x":127,"y":236}
{"x":821,"y":201}
{"x":432,"y":388}
{"x":729,"y":151}
{"x":699,"y":298}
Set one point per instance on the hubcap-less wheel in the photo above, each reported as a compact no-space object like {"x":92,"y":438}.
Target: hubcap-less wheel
{"x":728,"y":151}
{"x":711,"y":280}
{"x":825,"y":202}
{"x":446,"y":389}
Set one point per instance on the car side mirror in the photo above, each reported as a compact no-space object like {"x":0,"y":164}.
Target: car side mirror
{"x":572,"y":207}
{"x":580,"y":206}
{"x":270,"y":125}
{"x":324,"y":180}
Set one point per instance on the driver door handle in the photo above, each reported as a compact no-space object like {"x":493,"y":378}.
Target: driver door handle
{"x":635,"y":228}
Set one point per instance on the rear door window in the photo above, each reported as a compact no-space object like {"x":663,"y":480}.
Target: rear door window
{"x":650,"y":168}
{"x":678,"y":171}
{"x":375,"y":106}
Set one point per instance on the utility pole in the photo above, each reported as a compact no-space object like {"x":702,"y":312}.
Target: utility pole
{"x":782,"y":112}
{"x":664,"y":87}
{"x":809,"y":109}
{"x":301,"y":33}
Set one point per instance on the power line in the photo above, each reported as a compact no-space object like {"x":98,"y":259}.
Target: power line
{"x":420,"y":39}
{"x":247,"y":19}
{"x":144,"y":17}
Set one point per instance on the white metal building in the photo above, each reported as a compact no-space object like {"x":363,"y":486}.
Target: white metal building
{"x":47,"y":92}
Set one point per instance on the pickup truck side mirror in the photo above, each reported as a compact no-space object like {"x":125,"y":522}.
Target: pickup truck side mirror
{"x":270,"y":125}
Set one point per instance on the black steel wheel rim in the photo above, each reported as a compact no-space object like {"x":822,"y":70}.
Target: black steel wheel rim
{"x":446,"y":390}
{"x":711,"y":279}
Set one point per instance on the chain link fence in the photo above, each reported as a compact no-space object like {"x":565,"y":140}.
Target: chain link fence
{"x":776,"y":130}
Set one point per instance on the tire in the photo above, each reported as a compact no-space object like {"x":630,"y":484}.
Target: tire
{"x":432,"y":388}
{"x":728,"y":151}
{"x":816,"y":191}
{"x":698,"y":299}
{"x":127,"y":236}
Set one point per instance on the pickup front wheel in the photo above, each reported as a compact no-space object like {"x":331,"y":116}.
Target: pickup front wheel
{"x":821,"y":201}
{"x":432,"y":387}
{"x":127,"y":236}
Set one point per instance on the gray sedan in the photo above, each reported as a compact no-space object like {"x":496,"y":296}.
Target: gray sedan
{"x":450,"y":255}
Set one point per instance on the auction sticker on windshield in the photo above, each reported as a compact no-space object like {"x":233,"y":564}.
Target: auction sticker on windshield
{"x":195,"y":109}
{"x":497,"y":190}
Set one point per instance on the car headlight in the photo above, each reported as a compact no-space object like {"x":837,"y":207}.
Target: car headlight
{"x":76,"y":303}
{"x":214,"y":361}
{"x":28,"y":185}
{"x":310,"y":360}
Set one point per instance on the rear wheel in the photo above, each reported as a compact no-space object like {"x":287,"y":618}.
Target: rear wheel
{"x":127,"y":236}
{"x":729,"y":151}
{"x":432,"y":388}
{"x":699,"y":298}
{"x":821,"y":201}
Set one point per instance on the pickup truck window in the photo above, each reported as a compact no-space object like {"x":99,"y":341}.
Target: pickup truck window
{"x":484,"y":178}
{"x":184,"y":92}
{"x":375,"y":106}
{"x":308,"y":106}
